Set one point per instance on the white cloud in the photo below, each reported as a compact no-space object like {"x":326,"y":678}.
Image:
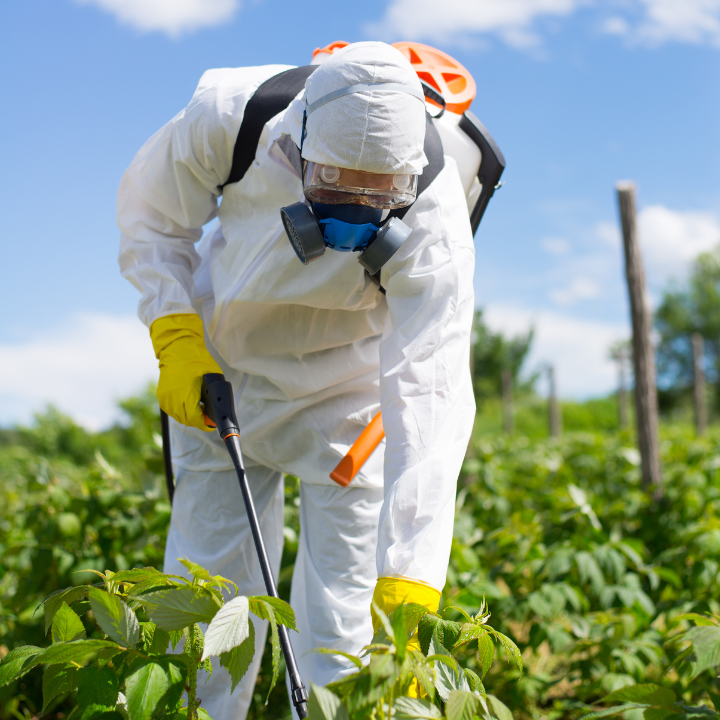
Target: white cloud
{"x":83,"y":368}
{"x":671,"y":240}
{"x":555,"y":246}
{"x":616,"y":26}
{"x":512,"y":20}
{"x":173,"y":17}
{"x":515,"y":21}
{"x":580,"y":288}
{"x":693,"y":21}
{"x":577,"y":348}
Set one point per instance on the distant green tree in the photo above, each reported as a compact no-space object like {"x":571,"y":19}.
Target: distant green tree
{"x":492,"y":353}
{"x":694,"y":307}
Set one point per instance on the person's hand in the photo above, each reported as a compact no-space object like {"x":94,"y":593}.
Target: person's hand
{"x":180,"y":347}
{"x":390,"y":593}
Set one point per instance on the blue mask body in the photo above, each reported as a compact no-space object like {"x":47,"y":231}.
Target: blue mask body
{"x":348,"y":228}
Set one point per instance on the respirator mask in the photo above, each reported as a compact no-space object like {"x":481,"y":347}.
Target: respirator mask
{"x":345,"y":210}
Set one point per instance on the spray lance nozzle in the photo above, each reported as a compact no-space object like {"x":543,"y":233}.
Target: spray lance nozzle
{"x":216,"y":396}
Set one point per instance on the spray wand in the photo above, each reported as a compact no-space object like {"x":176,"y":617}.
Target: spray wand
{"x":219,"y":408}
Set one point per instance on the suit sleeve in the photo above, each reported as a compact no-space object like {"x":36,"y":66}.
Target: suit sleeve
{"x":425,"y":387}
{"x":171,"y":190}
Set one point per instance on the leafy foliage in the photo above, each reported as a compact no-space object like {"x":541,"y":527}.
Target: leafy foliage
{"x":410,"y":672}
{"x":592,"y":576}
{"x":131,"y":672}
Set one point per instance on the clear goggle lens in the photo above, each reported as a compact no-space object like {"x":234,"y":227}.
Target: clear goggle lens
{"x":333,"y":186}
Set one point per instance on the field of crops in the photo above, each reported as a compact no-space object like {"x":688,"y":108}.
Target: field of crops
{"x":591,"y":576}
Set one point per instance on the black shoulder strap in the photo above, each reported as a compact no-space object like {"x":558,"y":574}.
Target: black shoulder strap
{"x":273,"y":96}
{"x":436,"y":162}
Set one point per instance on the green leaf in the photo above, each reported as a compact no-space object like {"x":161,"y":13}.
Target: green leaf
{"x":17,"y":662}
{"x":448,"y":631}
{"x":175,"y":637}
{"x":464,"y":613}
{"x":197,"y":571}
{"x":706,"y":648}
{"x":461,"y":705}
{"x":275,"y":644}
{"x":160,"y":642}
{"x":646,"y":693}
{"x":474,"y":681}
{"x":696,"y":618}
{"x":75,"y":651}
{"x":468,"y":633}
{"x":57,"y":680}
{"x":154,"y":684}
{"x":136,"y":575}
{"x":511,"y":648}
{"x":325,"y":705}
{"x":114,"y":617}
{"x":97,"y":686}
{"x":607,"y":712}
{"x":397,"y":620}
{"x":486,"y":654}
{"x":425,"y":676}
{"x":284,"y":614}
{"x":152,"y":584}
{"x":178,"y":607}
{"x":407,"y":708}
{"x":663,"y":714}
{"x":329,"y":651}
{"x":52,"y":603}
{"x":229,"y":628}
{"x":499,"y":709}
{"x":448,"y":676}
{"x":66,"y":625}
{"x":238,"y":660}
{"x":413,"y":613}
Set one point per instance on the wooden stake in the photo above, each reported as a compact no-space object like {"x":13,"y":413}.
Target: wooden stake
{"x":646,"y":409}
{"x":698,"y":362}
{"x":623,"y":413}
{"x":555,"y":416}
{"x":507,"y":400}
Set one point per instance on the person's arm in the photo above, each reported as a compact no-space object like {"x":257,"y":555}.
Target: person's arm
{"x":168,"y":193}
{"x":425,"y":393}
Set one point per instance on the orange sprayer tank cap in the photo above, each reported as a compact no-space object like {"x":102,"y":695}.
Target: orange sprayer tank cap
{"x":331,"y":48}
{"x":442,"y":72}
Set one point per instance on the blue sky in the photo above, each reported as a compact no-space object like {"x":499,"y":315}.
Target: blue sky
{"x":578,"y":94}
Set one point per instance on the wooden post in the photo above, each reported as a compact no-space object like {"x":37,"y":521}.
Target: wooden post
{"x":623,"y":414}
{"x":507,"y":400}
{"x":619,"y":353}
{"x":698,"y":358}
{"x":646,"y":409}
{"x":554,"y":407}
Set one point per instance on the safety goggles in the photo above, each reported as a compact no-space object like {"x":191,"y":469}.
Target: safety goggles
{"x":332,"y":185}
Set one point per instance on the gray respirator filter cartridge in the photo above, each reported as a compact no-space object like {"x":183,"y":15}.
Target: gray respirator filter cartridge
{"x":303,"y":232}
{"x":388,"y":241}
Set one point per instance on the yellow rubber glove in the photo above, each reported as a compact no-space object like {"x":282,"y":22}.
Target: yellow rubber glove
{"x":180,"y":347}
{"x":393,"y":592}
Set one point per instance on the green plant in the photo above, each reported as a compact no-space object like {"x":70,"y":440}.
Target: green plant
{"x":400,"y":667}
{"x":141,"y":613}
{"x":659,"y":702}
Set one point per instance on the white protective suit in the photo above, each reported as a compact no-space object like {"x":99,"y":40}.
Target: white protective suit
{"x":312,"y":352}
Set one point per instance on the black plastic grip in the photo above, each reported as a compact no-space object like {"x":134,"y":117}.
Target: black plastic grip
{"x":217,"y":397}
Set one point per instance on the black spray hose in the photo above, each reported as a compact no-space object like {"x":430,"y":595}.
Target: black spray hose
{"x":167,"y":457}
{"x":217,"y":397}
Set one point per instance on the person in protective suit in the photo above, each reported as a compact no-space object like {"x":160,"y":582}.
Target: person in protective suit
{"x":312,"y":351}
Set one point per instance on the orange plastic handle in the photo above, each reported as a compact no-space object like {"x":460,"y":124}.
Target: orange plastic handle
{"x":358,"y":454}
